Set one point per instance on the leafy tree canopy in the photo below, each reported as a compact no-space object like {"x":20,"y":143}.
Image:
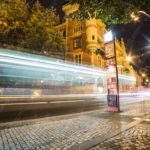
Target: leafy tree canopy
{"x":30,"y":28}
{"x":109,"y":11}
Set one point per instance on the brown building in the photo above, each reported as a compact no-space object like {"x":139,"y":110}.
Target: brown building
{"x":85,"y":44}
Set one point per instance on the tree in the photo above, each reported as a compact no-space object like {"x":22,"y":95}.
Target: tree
{"x":13,"y":16}
{"x":40,"y":32}
{"x":32,"y":28}
{"x":109,"y":11}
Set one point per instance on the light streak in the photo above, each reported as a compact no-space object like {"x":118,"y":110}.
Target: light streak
{"x":16,"y":66}
{"x":42,"y":65}
{"x":135,"y":94}
{"x":54,"y":96}
{"x":121,"y":76}
{"x":90,"y":71}
{"x":42,"y":59}
{"x":34,"y":62}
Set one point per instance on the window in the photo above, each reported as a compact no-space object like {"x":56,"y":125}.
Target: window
{"x":93,"y":37}
{"x":78,"y":59}
{"x":77,"y":42}
{"x":78,"y":28}
{"x":99,"y":61}
{"x":64,"y":34}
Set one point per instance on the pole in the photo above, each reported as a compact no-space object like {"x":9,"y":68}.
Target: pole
{"x":118,"y":101}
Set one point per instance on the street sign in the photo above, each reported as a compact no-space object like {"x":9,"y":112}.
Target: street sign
{"x":110,"y":62}
{"x":109,"y":50}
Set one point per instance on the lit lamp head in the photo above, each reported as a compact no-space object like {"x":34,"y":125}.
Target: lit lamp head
{"x":129,"y":59}
{"x":108,"y":37}
{"x":134,"y":17}
{"x":143,"y":75}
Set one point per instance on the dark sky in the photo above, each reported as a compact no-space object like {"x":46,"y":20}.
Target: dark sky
{"x":137,"y":40}
{"x":135,"y":34}
{"x":56,"y":3}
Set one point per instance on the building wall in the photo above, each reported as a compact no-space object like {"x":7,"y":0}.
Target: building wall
{"x":91,"y":34}
{"x":87,"y":47}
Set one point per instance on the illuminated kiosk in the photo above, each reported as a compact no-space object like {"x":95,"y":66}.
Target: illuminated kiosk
{"x":112,"y":73}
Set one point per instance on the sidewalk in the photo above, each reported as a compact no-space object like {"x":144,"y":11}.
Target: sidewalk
{"x":129,"y":129}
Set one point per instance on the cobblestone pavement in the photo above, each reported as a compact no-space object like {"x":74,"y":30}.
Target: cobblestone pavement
{"x":62,"y":134}
{"x":136,"y":138}
{"x":58,"y":133}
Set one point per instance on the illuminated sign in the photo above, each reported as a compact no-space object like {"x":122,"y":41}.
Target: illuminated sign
{"x":108,"y":37}
{"x":112,"y":74}
{"x":110,"y":62}
{"x":109,"y":50}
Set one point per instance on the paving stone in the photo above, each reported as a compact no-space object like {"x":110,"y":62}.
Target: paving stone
{"x":137,"y":139}
{"x":59,"y":134}
{"x":62,"y":133}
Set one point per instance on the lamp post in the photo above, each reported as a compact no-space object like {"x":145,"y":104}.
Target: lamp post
{"x":112,"y":73}
{"x":135,"y":17}
{"x":128,"y":58}
{"x":143,"y":75}
{"x":143,"y":12}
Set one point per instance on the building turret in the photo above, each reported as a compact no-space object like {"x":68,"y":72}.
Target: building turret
{"x":69,"y":9}
{"x":91,"y":35}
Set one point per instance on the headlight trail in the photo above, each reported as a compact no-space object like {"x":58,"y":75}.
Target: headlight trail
{"x":28,"y":72}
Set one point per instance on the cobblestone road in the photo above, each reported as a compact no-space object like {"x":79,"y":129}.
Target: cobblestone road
{"x":60,"y":133}
{"x":136,"y":138}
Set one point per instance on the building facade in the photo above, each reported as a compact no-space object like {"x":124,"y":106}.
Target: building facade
{"x":85,"y":44}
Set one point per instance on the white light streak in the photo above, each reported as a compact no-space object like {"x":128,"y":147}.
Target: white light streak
{"x":55,"y":67}
{"x":42,"y":59}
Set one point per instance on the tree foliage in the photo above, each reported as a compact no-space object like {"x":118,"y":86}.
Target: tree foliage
{"x":30,"y":28}
{"x":13,"y":16}
{"x":109,"y":11}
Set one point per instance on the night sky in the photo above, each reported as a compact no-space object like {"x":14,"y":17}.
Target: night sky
{"x":136,"y":35}
{"x":137,"y":40}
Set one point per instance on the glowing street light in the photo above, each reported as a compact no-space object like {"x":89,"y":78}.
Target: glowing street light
{"x":129,"y":59}
{"x":143,"y":75}
{"x":136,"y":17}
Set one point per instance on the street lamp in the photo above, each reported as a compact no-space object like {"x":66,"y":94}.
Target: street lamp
{"x":136,"y":17}
{"x":143,"y":12}
{"x":129,"y":59}
{"x":143,"y":75}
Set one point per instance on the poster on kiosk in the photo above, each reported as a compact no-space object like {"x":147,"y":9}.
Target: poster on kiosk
{"x":112,"y":73}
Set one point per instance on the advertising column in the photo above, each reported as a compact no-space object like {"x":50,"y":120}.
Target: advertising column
{"x":112,"y":73}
